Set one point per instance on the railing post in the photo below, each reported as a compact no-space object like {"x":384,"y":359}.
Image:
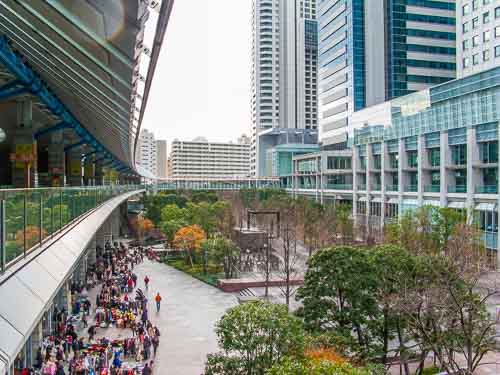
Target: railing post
{"x":25,"y":222}
{"x":40,"y":227}
{"x":3,"y":230}
{"x":60,"y":209}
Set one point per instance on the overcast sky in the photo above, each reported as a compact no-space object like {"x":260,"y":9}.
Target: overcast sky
{"x":202,"y":81}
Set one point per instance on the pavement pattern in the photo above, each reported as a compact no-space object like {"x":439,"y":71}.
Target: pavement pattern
{"x":189,"y":311}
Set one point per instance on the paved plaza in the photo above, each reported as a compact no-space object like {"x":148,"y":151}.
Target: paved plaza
{"x":190,"y":309}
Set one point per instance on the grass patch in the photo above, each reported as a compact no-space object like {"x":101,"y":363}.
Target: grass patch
{"x":211,"y":278}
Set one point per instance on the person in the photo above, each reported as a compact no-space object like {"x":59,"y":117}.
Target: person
{"x":155,"y":341}
{"x":146,"y":282}
{"x":84,"y":320}
{"x":146,"y":370}
{"x":158,"y":301}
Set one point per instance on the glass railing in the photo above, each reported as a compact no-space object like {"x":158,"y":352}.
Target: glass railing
{"x":376,"y":187}
{"x":490,"y":240}
{"x":362,"y":187}
{"x":487,"y":189}
{"x":432,"y":188}
{"x":339,"y":186}
{"x":392,"y":188}
{"x":457,"y":189}
{"x":411,"y":188}
{"x":32,"y":215}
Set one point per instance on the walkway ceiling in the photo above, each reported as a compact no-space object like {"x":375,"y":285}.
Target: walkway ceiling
{"x":88,"y":52}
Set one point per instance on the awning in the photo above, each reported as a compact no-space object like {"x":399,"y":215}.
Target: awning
{"x":432,"y":203}
{"x":486,"y":206}
{"x":457,"y":205}
{"x":377,"y":200}
{"x":362,"y":199}
{"x":393,"y":200}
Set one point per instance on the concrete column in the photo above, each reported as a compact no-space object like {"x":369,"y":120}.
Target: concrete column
{"x":91,"y":251}
{"x":57,"y":165}
{"x":88,"y":172}
{"x":498,"y":211}
{"x":472,"y":174}
{"x":401,"y":182}
{"x":98,"y":173}
{"x":420,"y":168}
{"x":444,"y":160}
{"x":355,"y":168}
{"x":383,"y":160}
{"x":74,"y":167}
{"x":23,"y":149}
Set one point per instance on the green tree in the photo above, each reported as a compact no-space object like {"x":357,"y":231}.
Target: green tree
{"x":224,"y":252}
{"x":253,"y":337}
{"x":204,"y":196}
{"x":153,"y":204}
{"x":339,"y":295}
{"x":203,"y":215}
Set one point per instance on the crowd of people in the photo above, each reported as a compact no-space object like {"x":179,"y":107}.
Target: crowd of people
{"x":119,"y":304}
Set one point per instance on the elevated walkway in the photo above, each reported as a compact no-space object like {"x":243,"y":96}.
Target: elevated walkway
{"x":28,"y":287}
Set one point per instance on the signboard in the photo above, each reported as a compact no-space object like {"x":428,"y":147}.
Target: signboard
{"x":25,"y":153}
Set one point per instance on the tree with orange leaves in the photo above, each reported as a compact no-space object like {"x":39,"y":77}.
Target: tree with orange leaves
{"x":190,"y":239}
{"x":142,"y":227}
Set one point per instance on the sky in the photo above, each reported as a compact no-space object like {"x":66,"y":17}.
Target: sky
{"x":202,"y":80}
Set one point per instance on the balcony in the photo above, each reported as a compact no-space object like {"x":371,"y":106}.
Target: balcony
{"x":432,"y":188}
{"x":392,"y":188}
{"x":362,"y":187}
{"x":411,"y":188}
{"x":487,"y":189}
{"x":376,"y":187}
{"x":339,"y":186}
{"x":457,"y":189}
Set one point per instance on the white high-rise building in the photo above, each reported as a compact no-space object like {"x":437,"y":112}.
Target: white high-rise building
{"x":203,"y":159}
{"x":478,"y":36}
{"x":161,"y":158}
{"x":284,"y":69}
{"x":147,"y":153}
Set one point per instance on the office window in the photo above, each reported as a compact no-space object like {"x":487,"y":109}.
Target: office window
{"x":497,"y":51}
{"x":486,"y":17}
{"x":475,"y":41}
{"x":475,"y":5}
{"x":475,"y":22}
{"x":475,"y":59}
{"x":486,"y":55}
{"x":466,"y":27}
{"x":466,"y":44}
{"x":497,"y":12}
{"x":497,"y":31}
{"x":486,"y":36}
{"x":486,"y":2}
{"x":466,"y":61}
{"x":466,"y":10}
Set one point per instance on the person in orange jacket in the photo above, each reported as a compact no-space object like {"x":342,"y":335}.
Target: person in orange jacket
{"x":158,"y":301}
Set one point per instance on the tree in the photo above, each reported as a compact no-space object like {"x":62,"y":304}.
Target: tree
{"x":253,"y":337}
{"x":203,"y":215}
{"x":204,"y":196}
{"x":172,"y":219}
{"x":153,"y":204}
{"x":338,"y":295}
{"x":189,"y":239}
{"x":223,"y":252}
{"x":142,"y":227}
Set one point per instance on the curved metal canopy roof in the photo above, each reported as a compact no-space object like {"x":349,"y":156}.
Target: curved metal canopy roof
{"x":89,"y":54}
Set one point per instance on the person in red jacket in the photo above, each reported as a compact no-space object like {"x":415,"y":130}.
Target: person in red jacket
{"x":146,"y":282}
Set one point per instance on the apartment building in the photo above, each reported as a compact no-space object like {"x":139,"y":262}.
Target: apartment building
{"x":478,"y":36}
{"x":203,"y":159}
{"x":161,"y":159}
{"x":147,"y":152}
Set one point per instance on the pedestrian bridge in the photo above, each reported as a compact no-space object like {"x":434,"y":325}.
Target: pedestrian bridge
{"x":222,"y":184}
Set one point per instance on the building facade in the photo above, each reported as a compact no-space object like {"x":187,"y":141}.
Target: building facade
{"x":146,"y":152}
{"x":284,"y":69}
{"x":373,"y":51}
{"x":191,"y":159}
{"x":161,"y":159}
{"x":435,"y":147}
{"x":478,"y":36}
